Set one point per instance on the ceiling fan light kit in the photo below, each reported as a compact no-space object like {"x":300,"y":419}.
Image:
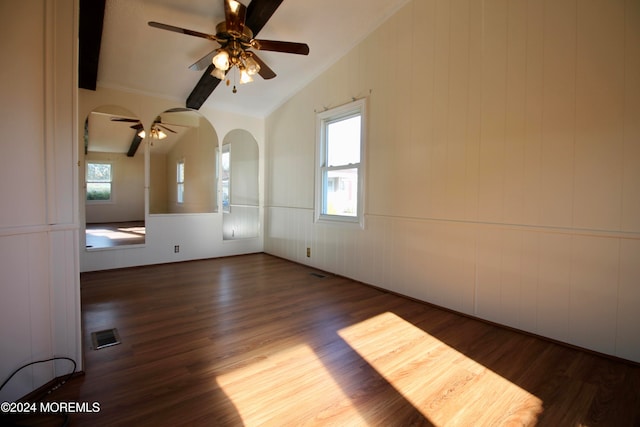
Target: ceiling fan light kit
{"x":245,"y":77}
{"x":236,"y":40}
{"x":153,"y":134}
{"x":251,"y":65}
{"x":218,"y":73}
{"x":221,"y":60}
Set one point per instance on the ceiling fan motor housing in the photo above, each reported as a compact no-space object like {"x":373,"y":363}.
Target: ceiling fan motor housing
{"x":222,"y":33}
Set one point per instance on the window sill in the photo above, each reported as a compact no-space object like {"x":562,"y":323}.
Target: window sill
{"x":344,"y":221}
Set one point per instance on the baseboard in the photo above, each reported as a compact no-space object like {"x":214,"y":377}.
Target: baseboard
{"x":499,"y":325}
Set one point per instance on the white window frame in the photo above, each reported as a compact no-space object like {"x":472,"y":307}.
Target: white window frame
{"x":225,"y":180}
{"x":86,"y":181}
{"x":180,"y":184}
{"x":323,"y":119}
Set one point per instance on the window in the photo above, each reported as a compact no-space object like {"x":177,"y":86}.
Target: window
{"x":226,"y":178}
{"x":180,"y":181}
{"x":99,"y":179}
{"x":340,"y":169}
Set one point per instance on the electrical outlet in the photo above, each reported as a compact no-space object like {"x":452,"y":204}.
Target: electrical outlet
{"x":176,"y":248}
{"x":308,"y":252}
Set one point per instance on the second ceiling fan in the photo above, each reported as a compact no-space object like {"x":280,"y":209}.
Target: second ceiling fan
{"x":237,"y":43}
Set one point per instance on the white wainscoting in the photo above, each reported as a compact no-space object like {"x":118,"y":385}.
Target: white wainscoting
{"x":578,"y":287}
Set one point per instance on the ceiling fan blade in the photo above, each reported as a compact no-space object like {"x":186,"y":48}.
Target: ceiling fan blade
{"x":280,"y":46}
{"x":166,"y":128}
{"x":177,"y":110}
{"x":265,"y":72}
{"x":124,"y":119}
{"x":138,"y":126}
{"x":204,"y":62}
{"x":182,"y":30}
{"x":259,"y":12}
{"x":234,"y":15}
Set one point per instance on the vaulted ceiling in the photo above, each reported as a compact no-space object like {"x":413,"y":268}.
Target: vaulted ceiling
{"x":138,"y":58}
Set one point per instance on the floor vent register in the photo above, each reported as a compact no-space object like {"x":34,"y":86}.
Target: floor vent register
{"x":105,"y":338}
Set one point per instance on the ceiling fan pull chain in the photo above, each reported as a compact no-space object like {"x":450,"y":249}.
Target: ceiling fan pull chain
{"x":234,"y":90}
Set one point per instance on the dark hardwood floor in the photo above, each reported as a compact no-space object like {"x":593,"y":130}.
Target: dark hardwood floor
{"x":257,"y":340}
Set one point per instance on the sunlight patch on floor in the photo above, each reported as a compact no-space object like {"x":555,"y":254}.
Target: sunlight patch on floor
{"x":111,"y":234}
{"x":446,"y":386}
{"x":276,"y":379}
{"x":137,"y":229}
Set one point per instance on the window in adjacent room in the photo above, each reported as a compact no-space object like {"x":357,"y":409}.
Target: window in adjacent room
{"x":226,"y":178}
{"x":340,"y":169}
{"x":180,"y":181}
{"x":99,"y":181}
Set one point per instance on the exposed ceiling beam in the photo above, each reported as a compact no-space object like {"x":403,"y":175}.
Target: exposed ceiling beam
{"x":258,"y":13}
{"x":203,"y":89}
{"x":135,"y":143}
{"x":90,"y":38}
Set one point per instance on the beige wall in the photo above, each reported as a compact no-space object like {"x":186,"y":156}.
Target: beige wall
{"x":198,"y":149}
{"x":158,"y":176}
{"x":503,"y":165}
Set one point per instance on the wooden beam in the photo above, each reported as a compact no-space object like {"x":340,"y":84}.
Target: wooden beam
{"x":134,"y":146}
{"x":90,"y":38}
{"x":203,"y":89}
{"x":135,"y":143}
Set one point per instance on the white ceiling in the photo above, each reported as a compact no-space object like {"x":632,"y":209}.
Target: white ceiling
{"x":136,"y":57}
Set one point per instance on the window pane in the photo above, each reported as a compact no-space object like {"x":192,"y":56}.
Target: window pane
{"x":99,"y":172}
{"x":98,"y":191}
{"x":226,"y":178}
{"x":180,"y":193}
{"x":226,"y":159}
{"x":343,"y":142}
{"x":180,"y":172}
{"x":225,"y":196}
{"x":341,"y":188}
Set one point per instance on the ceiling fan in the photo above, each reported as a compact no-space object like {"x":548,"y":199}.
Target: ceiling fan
{"x":157,"y":128}
{"x":236,"y":43}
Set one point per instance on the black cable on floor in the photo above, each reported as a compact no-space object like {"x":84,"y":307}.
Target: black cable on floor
{"x":65,"y":416}
{"x":43,"y":361}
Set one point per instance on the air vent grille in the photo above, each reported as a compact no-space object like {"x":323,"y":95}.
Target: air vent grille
{"x":105,"y":338}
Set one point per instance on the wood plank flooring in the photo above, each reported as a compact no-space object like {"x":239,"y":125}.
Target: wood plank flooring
{"x":257,"y":340}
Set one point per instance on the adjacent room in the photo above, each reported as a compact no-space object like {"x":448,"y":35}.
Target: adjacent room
{"x":276,"y":212}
